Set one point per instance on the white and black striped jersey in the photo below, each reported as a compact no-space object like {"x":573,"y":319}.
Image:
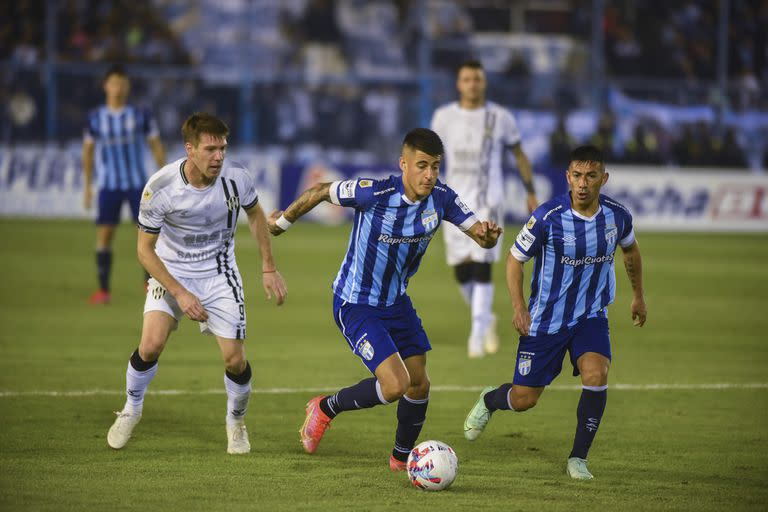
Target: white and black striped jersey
{"x":196,"y":227}
{"x":475,"y":141}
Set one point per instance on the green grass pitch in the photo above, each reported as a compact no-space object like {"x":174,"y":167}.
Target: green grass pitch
{"x":658,"y":449}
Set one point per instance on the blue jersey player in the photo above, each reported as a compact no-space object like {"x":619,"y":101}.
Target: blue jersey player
{"x":572,"y":239}
{"x":114,"y":143}
{"x":395,"y":219}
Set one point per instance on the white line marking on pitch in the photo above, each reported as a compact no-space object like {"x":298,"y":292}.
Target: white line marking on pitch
{"x":283,"y":391}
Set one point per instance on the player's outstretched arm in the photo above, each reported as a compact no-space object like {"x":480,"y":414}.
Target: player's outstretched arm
{"x":526,"y":175}
{"x":633,"y":263}
{"x":148,"y":258}
{"x":486,"y":233}
{"x":521,"y":318}
{"x":273,"y":282}
{"x":280,"y":221}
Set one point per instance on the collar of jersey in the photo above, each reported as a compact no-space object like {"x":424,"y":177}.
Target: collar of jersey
{"x":401,"y":189}
{"x":587,"y":219}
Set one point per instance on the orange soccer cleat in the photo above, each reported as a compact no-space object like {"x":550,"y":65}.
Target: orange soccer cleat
{"x":315,"y":425}
{"x":397,"y":465}
{"x":100,"y":297}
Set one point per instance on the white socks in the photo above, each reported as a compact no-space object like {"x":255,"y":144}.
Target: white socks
{"x":466,"y":291}
{"x":482,"y":301}
{"x":237,"y":400}
{"x":136,"y":384}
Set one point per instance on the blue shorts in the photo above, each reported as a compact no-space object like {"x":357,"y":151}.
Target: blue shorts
{"x":540,"y":358}
{"x":111,"y":201}
{"x":375,"y":333}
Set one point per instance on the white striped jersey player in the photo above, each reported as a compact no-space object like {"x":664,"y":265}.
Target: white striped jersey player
{"x":196,"y":243}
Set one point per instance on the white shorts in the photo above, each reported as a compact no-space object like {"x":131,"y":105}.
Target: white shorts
{"x":459,"y":248}
{"x":221,"y":296}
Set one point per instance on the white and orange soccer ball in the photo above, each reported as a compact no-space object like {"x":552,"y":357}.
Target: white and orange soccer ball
{"x":432,"y":466}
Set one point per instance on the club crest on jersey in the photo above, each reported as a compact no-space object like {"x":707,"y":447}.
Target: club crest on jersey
{"x":233,"y":203}
{"x":524,"y":363}
{"x":610,"y":233}
{"x":366,"y":350}
{"x":429,"y":220}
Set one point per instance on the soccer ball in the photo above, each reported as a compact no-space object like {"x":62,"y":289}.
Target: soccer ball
{"x":432,"y":466}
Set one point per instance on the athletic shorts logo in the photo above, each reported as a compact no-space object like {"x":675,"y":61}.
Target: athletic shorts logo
{"x":158,"y":292}
{"x":366,"y":350}
{"x":524,"y":363}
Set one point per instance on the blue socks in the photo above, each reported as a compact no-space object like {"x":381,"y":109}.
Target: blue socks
{"x":588,"y":414}
{"x":497,"y":398}
{"x":411,"y":413}
{"x":363,"y":395}
{"x":104,"y":266}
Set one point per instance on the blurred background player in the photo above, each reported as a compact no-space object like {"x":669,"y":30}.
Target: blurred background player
{"x":114,"y":143}
{"x":573,"y":238}
{"x":395,"y":219}
{"x":187,"y":225}
{"x":477,"y":134}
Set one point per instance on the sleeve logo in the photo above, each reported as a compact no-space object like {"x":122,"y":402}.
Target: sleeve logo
{"x":464,"y":208}
{"x":365,"y":183}
{"x":531,"y":222}
{"x":525,"y":239}
{"x":347,"y":189}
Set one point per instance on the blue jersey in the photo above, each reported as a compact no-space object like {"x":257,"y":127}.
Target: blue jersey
{"x":120,"y":137}
{"x":573,"y":275}
{"x":389,"y":236}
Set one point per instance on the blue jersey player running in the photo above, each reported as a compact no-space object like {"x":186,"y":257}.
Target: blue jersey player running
{"x":572,"y":239}
{"x":395,"y":219}
{"x":114,"y":143}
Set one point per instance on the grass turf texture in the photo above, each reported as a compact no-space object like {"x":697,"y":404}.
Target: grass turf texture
{"x":656,"y":449}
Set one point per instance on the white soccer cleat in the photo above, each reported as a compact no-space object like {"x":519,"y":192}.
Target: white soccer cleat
{"x":577,"y":469}
{"x":491,"y":340}
{"x":475,"y":348}
{"x":237,"y":439}
{"x":121,"y":430}
{"x":478,"y":417}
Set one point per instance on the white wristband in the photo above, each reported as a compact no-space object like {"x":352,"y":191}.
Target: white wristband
{"x":283,"y":223}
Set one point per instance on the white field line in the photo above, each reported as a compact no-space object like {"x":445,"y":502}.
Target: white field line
{"x":282,"y":391}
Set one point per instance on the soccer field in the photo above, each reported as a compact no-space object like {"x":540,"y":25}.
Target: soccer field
{"x":686,"y":426}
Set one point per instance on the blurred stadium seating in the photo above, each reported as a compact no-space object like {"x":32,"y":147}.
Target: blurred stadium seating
{"x":674,"y":84}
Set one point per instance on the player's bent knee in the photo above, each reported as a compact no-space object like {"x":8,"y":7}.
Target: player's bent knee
{"x":235,"y":363}
{"x":595,"y":377}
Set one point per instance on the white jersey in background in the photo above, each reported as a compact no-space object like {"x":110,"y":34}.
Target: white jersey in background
{"x":474,"y":142}
{"x":196,"y":227}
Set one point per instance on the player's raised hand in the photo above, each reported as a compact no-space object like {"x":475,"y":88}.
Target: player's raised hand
{"x":522,"y":321}
{"x":488,"y":233}
{"x":274,"y":284}
{"x":639,"y":311}
{"x":191,"y":306}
